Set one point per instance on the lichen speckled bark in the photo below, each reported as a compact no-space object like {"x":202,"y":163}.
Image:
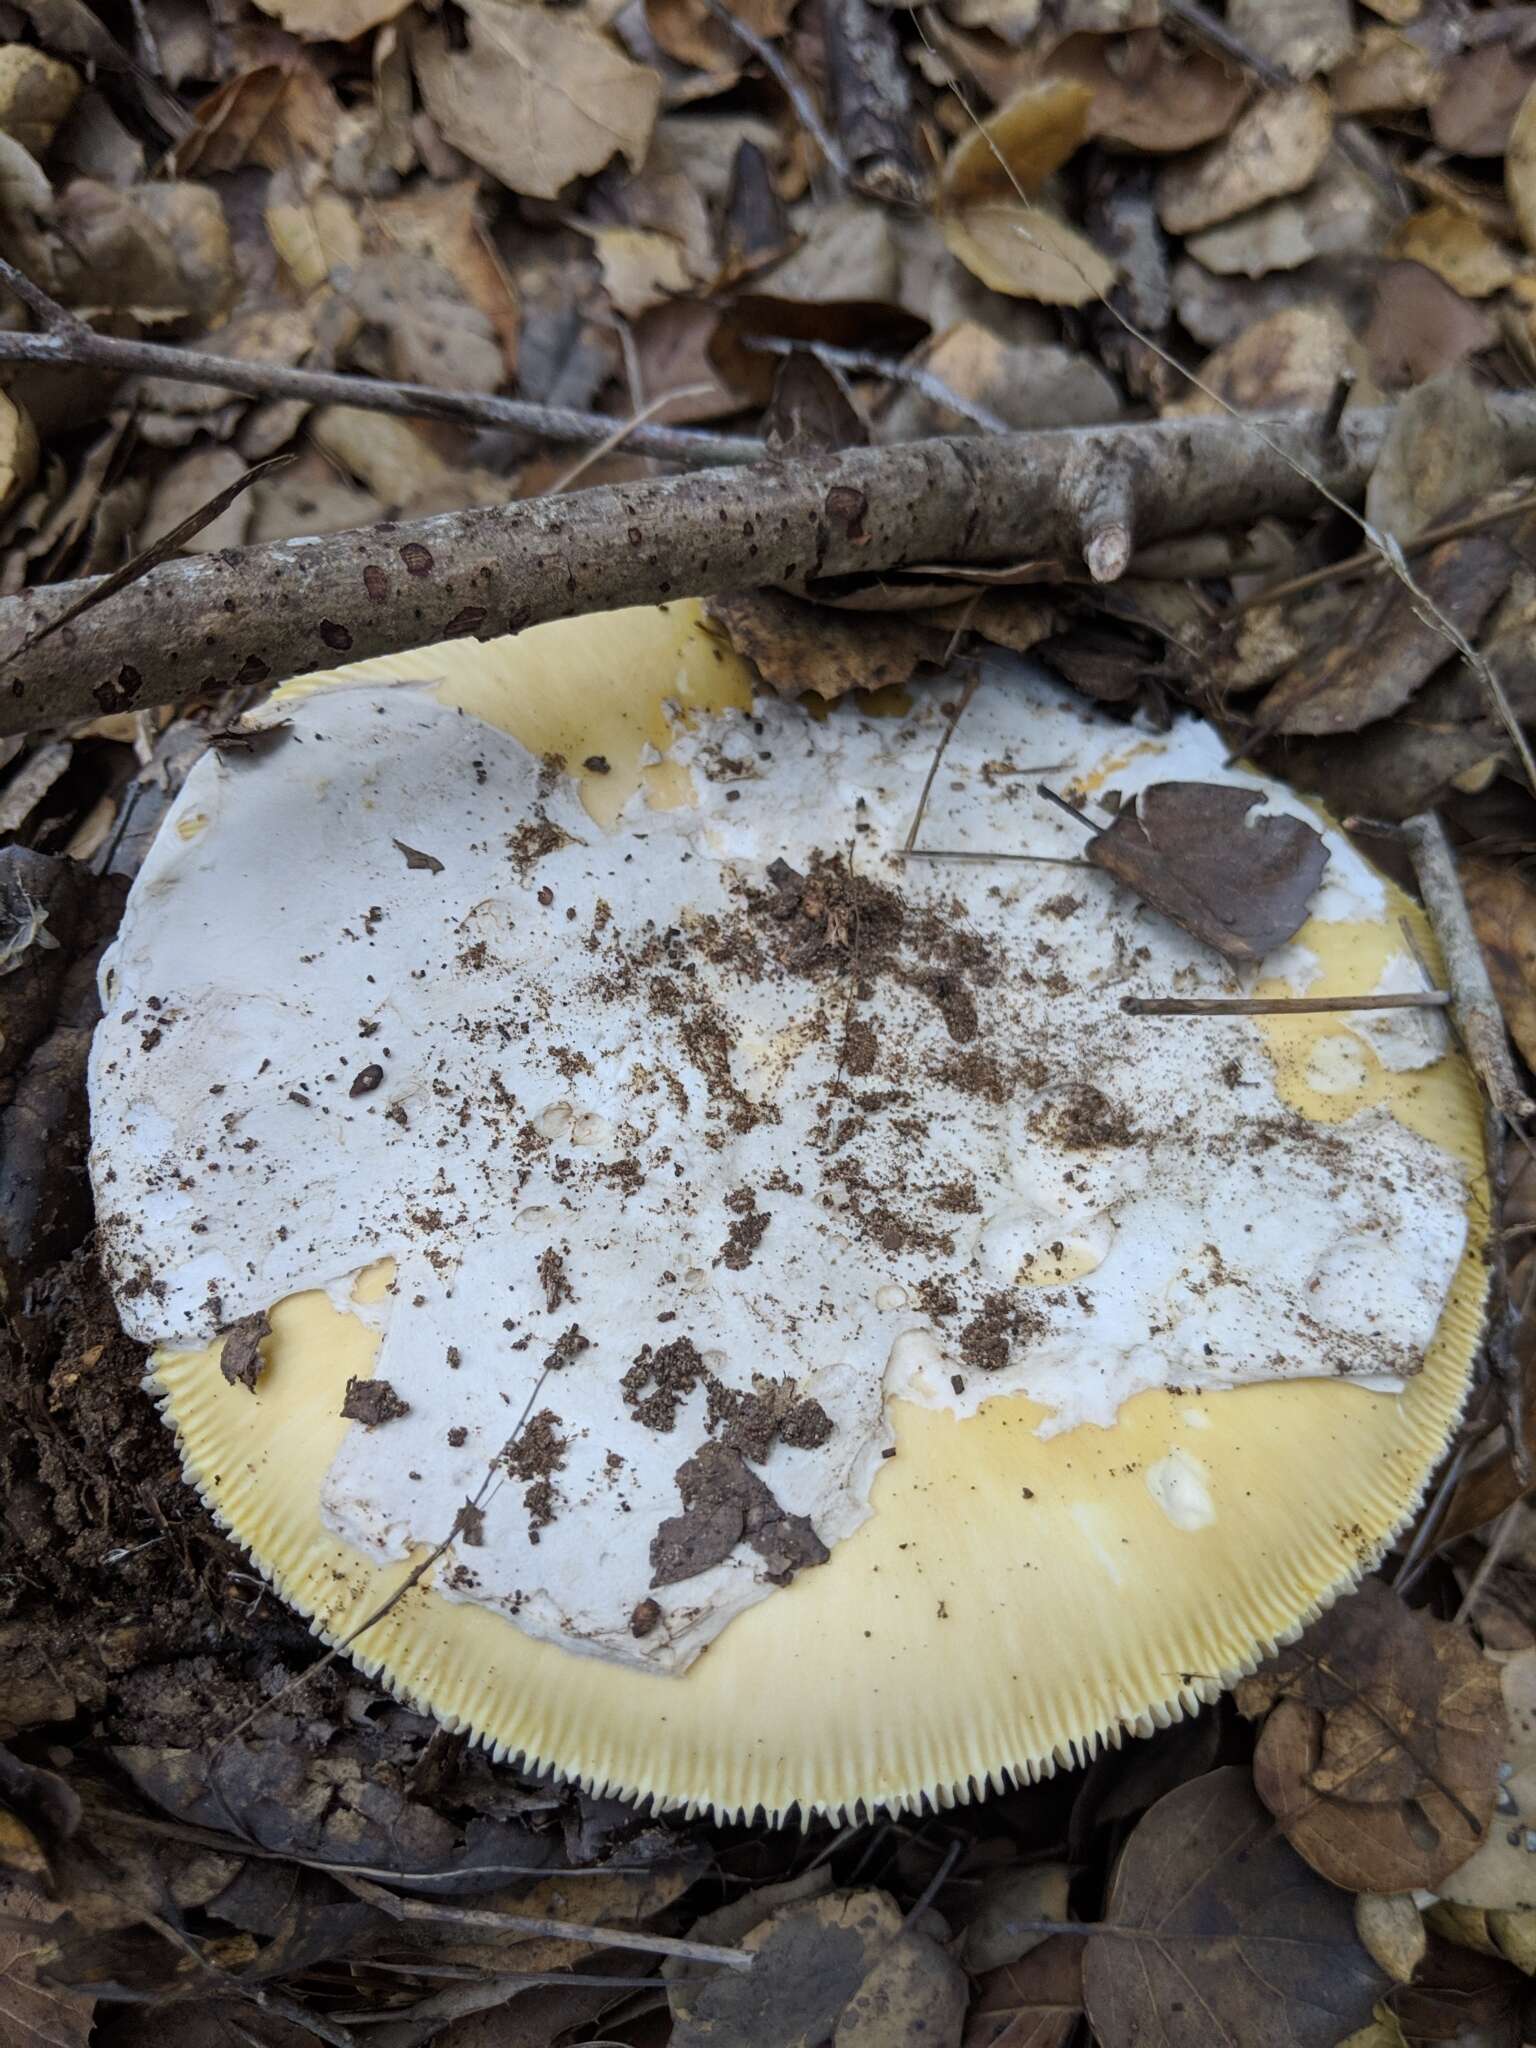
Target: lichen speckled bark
{"x":259,"y":614}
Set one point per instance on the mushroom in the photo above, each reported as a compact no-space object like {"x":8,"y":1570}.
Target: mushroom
{"x":848,"y":1360}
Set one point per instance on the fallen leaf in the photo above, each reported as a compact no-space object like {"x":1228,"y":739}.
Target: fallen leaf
{"x":37,"y":93}
{"x":1303,"y":37}
{"x":915,"y":1992}
{"x":842,"y":252}
{"x":492,"y":99}
{"x":1380,"y":1754}
{"x":809,"y":1960}
{"x":418,"y":328}
{"x":1443,"y":448}
{"x":1341,"y":213}
{"x":1292,"y":359}
{"x":1190,"y":849}
{"x":1028,"y":253}
{"x":1240,"y":1941}
{"x":1503,"y":907}
{"x":1387,"y":651}
{"x":641,"y":268}
{"x":190,"y":483}
{"x":18,"y":451}
{"x":291,"y":506}
{"x":849,"y":323}
{"x":810,"y":412}
{"x":1034,"y":2003}
{"x":1459,"y":1996}
{"x":1016,"y":148}
{"x":797,"y":646}
{"x":443,"y":222}
{"x":1150,"y":93}
{"x":1391,"y":1930}
{"x":316,"y":233}
{"x":1479,"y":96}
{"x":33,"y":2014}
{"x":1022,"y":384}
{"x":725,"y":1503}
{"x":1420,"y":326}
{"x":1457,"y":248}
{"x":690,"y":31}
{"x":1276,"y":146}
{"x":1388,"y":74}
{"x":1520,"y":169}
{"x":1026,"y":1893}
{"x":240,"y":1358}
{"x":271,"y":115}
{"x":672,"y":347}
{"x":332,"y":21}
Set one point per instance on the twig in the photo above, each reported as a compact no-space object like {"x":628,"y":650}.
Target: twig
{"x":862,"y":362}
{"x":214,"y":620}
{"x":1368,"y":562}
{"x":934,"y":1886}
{"x":623,"y":432}
{"x":806,"y":109}
{"x":1277,"y":1006}
{"x":1474,"y":1006}
{"x":985,"y":859}
{"x":68,"y":341}
{"x":1215,"y":34}
{"x":1054,"y":796}
{"x":1498,"y":1543}
{"x":560,"y":1930}
{"x":870,"y":89}
{"x":945,"y":737}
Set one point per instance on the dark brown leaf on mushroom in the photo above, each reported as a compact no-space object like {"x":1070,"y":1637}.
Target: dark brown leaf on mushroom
{"x":414,"y":858}
{"x":1189,"y":849}
{"x":254,"y":742}
{"x":241,"y":1361}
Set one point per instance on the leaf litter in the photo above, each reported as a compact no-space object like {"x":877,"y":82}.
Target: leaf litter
{"x":1319,"y":207}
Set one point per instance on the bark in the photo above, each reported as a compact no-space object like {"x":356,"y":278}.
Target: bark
{"x":254,"y":615}
{"x":872,"y":99}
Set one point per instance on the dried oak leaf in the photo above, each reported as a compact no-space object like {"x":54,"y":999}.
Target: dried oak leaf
{"x":1190,"y":849}
{"x":1444,"y":446}
{"x":1240,"y":1942}
{"x":1275,"y":147}
{"x":1501,"y":1876}
{"x":1380,"y":1754}
{"x":1457,"y":247}
{"x":1150,"y":93}
{"x":1480,"y":94}
{"x":240,"y":1358}
{"x":1388,"y":649}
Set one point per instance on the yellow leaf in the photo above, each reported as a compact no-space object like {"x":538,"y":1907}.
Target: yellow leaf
{"x":1020,"y":145}
{"x":1457,"y":248}
{"x":1028,"y":253}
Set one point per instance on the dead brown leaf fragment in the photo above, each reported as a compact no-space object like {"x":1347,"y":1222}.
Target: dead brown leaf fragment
{"x":725,"y":1503}
{"x":1275,"y":147}
{"x":798,"y":646}
{"x":1190,"y":849}
{"x":1380,"y":1754}
{"x":240,"y":1359}
{"x":1238,"y":1941}
{"x":1387,"y":650}
{"x":1150,"y":93}
{"x":1502,"y":901}
{"x":1033,"y":2003}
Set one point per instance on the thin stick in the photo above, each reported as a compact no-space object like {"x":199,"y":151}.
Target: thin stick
{"x":67,"y":341}
{"x":1498,"y":1542}
{"x":1215,"y":34}
{"x":860,"y":360}
{"x":980,"y":859}
{"x":1368,"y":562}
{"x":1078,"y":817}
{"x":938,"y":754}
{"x":793,"y":90}
{"x":1278,"y":1006}
{"x":1474,"y":1005}
{"x":559,"y":1930}
{"x":623,"y":432}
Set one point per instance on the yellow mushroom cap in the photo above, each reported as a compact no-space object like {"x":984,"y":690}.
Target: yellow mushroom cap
{"x":1013,"y":1599}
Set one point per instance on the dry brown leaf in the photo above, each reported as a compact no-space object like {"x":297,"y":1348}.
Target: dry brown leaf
{"x":314,"y":501}
{"x":34,"y":2015}
{"x":1443,"y":447}
{"x":1502,"y":1874}
{"x":443,"y":221}
{"x":915,"y":1992}
{"x":1341,"y":213}
{"x":1034,"y":2003}
{"x":1380,"y":1754}
{"x":1388,"y":74}
{"x":640,"y":268}
{"x":37,"y":92}
{"x":1479,"y":97}
{"x":190,"y":483}
{"x":672,"y":349}
{"x":1293,"y":359}
{"x":416,"y":327}
{"x":332,"y":21}
{"x":1503,"y":907}
{"x":1302,"y":37}
{"x":1150,"y":93}
{"x":495,"y":100}
{"x":1386,"y":650}
{"x":1520,"y":169}
{"x":799,"y":647}
{"x":1017,"y":148}
{"x":161,"y":252}
{"x":399,"y":461}
{"x":18,"y":451}
{"x":1391,"y":1930}
{"x":1420,"y":327}
{"x":1239,"y":1942}
{"x":1275,"y":147}
{"x":272,"y":115}
{"x":1028,"y":253}
{"x":1457,"y":248}
{"x":1024,"y":385}
{"x":1000,"y":1929}
{"x":691,"y":33}
{"x":314,"y":233}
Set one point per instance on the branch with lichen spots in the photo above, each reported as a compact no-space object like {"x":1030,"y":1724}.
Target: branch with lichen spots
{"x":259,"y":614}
